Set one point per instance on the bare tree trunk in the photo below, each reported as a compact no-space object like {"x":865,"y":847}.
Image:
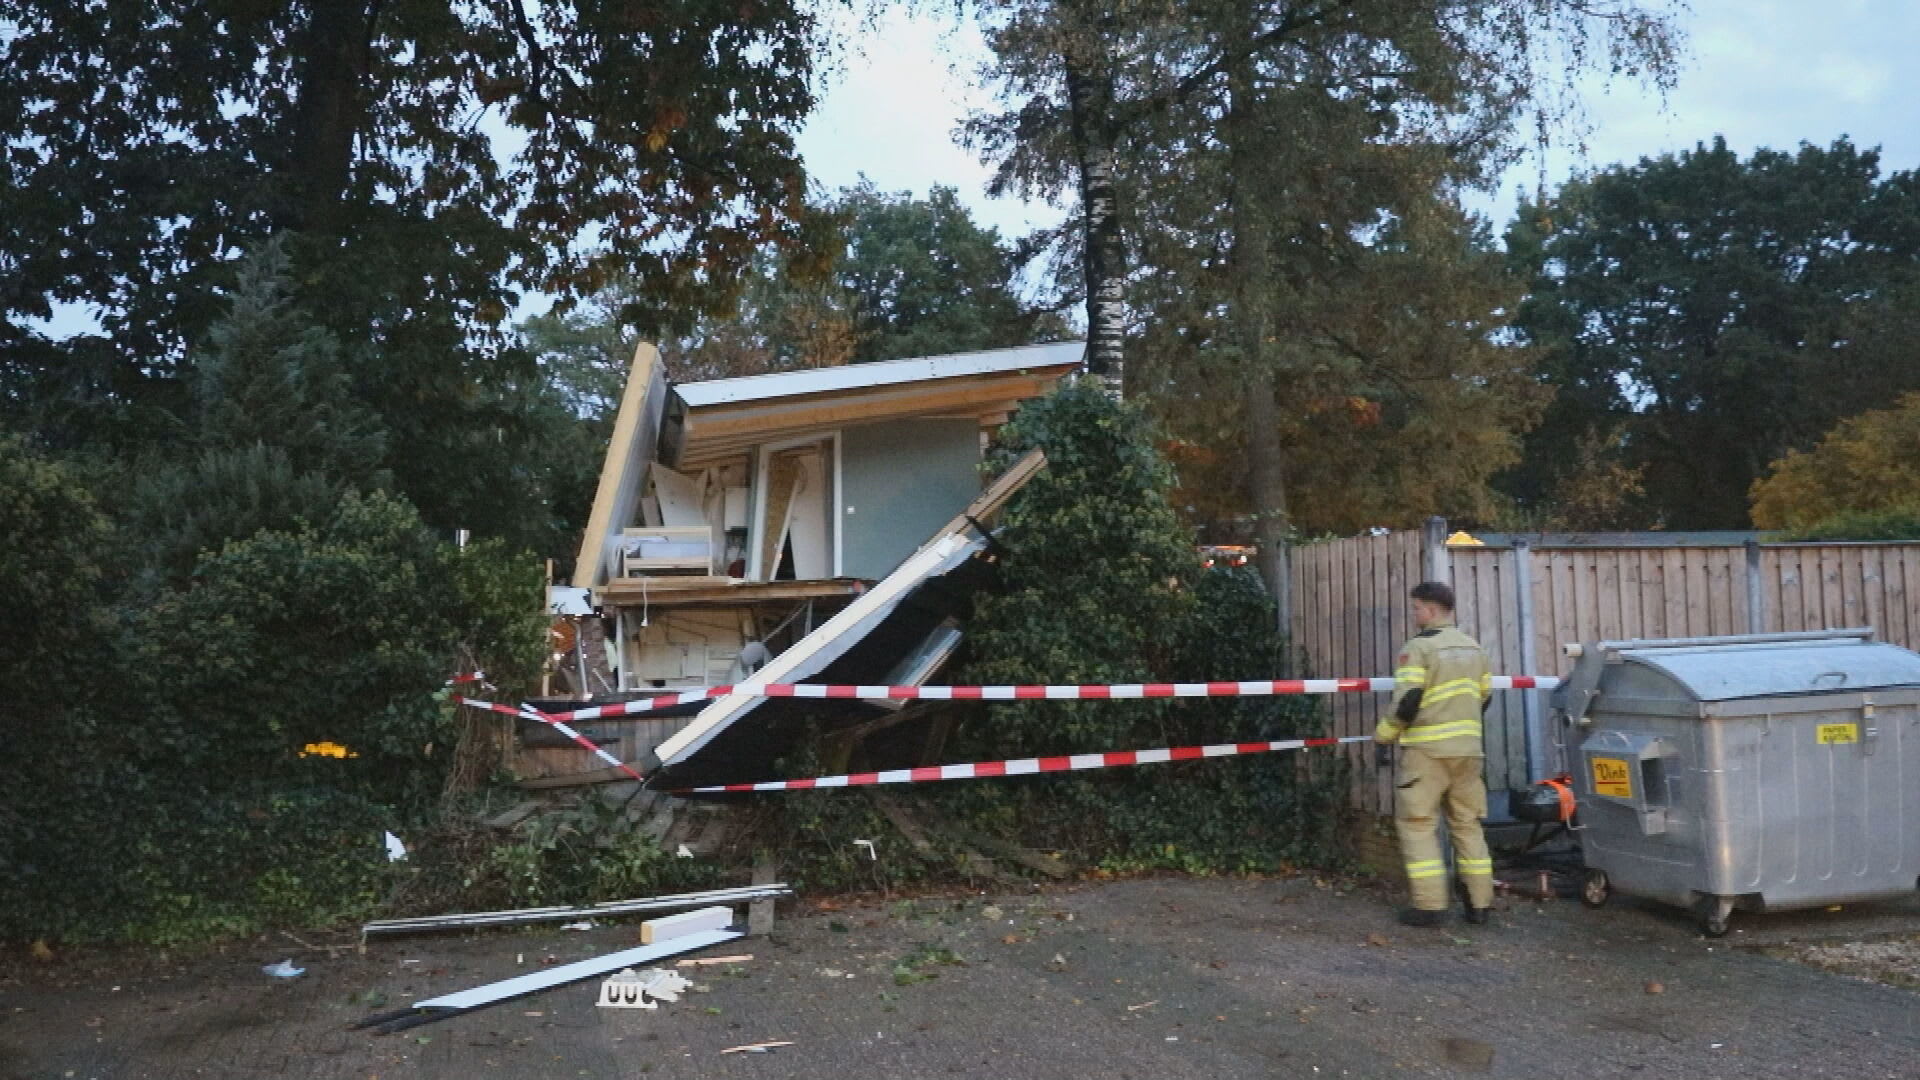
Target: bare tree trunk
{"x":1267,"y":485}
{"x":329,"y":110}
{"x":1252,"y":318}
{"x":1090,"y":102}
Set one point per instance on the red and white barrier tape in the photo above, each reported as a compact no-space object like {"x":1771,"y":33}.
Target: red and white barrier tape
{"x":560,"y":726}
{"x":557,"y":723}
{"x":1013,"y":767}
{"x":1036,"y":692}
{"x":1026,"y":766}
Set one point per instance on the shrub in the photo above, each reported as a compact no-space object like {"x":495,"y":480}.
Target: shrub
{"x":192,"y":807}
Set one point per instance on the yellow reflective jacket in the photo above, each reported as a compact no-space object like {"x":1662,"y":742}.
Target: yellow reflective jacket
{"x":1449,"y":670}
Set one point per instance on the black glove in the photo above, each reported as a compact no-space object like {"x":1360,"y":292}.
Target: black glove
{"x":1383,"y":755}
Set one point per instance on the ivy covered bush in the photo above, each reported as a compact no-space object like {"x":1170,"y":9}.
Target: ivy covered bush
{"x":1103,"y":585}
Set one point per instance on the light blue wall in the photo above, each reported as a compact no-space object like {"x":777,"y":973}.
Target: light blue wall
{"x":902,"y":480}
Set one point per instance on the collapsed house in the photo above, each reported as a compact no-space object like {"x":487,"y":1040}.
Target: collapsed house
{"x":826,"y":525}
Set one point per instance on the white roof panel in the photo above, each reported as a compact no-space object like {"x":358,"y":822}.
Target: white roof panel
{"x":883,"y":373}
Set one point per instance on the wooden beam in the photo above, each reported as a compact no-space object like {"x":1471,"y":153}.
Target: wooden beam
{"x":629,"y":426}
{"x":763,"y":421}
{"x":713,"y":592}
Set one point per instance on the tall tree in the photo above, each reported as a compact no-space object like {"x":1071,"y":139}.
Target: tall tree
{"x":888,"y":276}
{"x":925,"y":278}
{"x":1716,"y":313}
{"x":1242,"y":124}
{"x":1060,"y":66}
{"x":429,"y":160}
{"x":1868,"y":465}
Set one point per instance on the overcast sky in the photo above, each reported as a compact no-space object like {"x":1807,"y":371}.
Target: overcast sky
{"x":1761,"y":72}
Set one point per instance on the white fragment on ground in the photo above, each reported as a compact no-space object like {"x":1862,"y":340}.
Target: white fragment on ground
{"x":757,"y":1048}
{"x":284,"y":970}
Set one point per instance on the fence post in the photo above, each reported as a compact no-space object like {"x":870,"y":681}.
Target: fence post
{"x":1540,"y":755}
{"x":1433,"y":551}
{"x":1756,"y":594}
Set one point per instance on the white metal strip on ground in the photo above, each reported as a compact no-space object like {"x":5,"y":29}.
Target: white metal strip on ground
{"x":737,"y":895}
{"x":584,"y":969}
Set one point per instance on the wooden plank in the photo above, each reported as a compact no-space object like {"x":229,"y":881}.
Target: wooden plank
{"x":1632,"y":621}
{"x":1812,"y":614}
{"x":1653,"y":572}
{"x":710,"y":427}
{"x":1832,"y":592}
{"x":1323,"y":658}
{"x":1653,"y":579}
{"x":1793,"y":590}
{"x":1379,"y":649}
{"x":1339,"y":571}
{"x":1910,"y":594}
{"x":1606,"y":594}
{"x":1508,"y":661}
{"x":1343,"y":627}
{"x":618,"y":474}
{"x":666,"y":592}
{"x":1586,"y":619}
{"x":1725,"y":589}
{"x":1364,"y":598}
{"x":1899,"y":612}
{"x":1566,"y":628}
{"x":1873,"y":588}
{"x":1302,"y":605}
{"x":1699,"y":594}
{"x":1546,"y":651}
{"x":1673,"y":593}
{"x":1852,"y":603}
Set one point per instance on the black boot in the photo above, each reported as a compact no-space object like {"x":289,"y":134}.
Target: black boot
{"x":1421,"y":917}
{"x":1478,"y":915}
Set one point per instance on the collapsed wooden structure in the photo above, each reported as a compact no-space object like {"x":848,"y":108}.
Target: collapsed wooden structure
{"x":817,"y":523}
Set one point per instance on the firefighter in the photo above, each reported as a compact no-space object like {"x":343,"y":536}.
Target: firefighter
{"x":1441,"y":687}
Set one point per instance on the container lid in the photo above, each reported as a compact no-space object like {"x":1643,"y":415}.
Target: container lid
{"x":1728,"y":672}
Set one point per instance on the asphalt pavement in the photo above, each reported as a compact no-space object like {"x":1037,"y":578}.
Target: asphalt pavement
{"x":1300,"y":977}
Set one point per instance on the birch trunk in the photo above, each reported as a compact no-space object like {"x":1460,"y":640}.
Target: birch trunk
{"x":1090,"y":101}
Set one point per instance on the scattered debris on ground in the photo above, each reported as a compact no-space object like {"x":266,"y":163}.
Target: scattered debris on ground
{"x":1895,"y":962}
{"x":758,"y":1048}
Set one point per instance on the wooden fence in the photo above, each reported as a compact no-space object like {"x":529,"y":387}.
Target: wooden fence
{"x":1524,"y":602}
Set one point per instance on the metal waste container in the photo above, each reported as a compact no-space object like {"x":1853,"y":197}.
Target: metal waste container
{"x":1759,"y":773}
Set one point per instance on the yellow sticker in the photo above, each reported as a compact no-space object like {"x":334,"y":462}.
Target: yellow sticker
{"x":1829,"y":734}
{"x":1611,"y":776}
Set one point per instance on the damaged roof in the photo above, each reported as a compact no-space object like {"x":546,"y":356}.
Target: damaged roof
{"x":787,"y":384}
{"x":707,"y":422}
